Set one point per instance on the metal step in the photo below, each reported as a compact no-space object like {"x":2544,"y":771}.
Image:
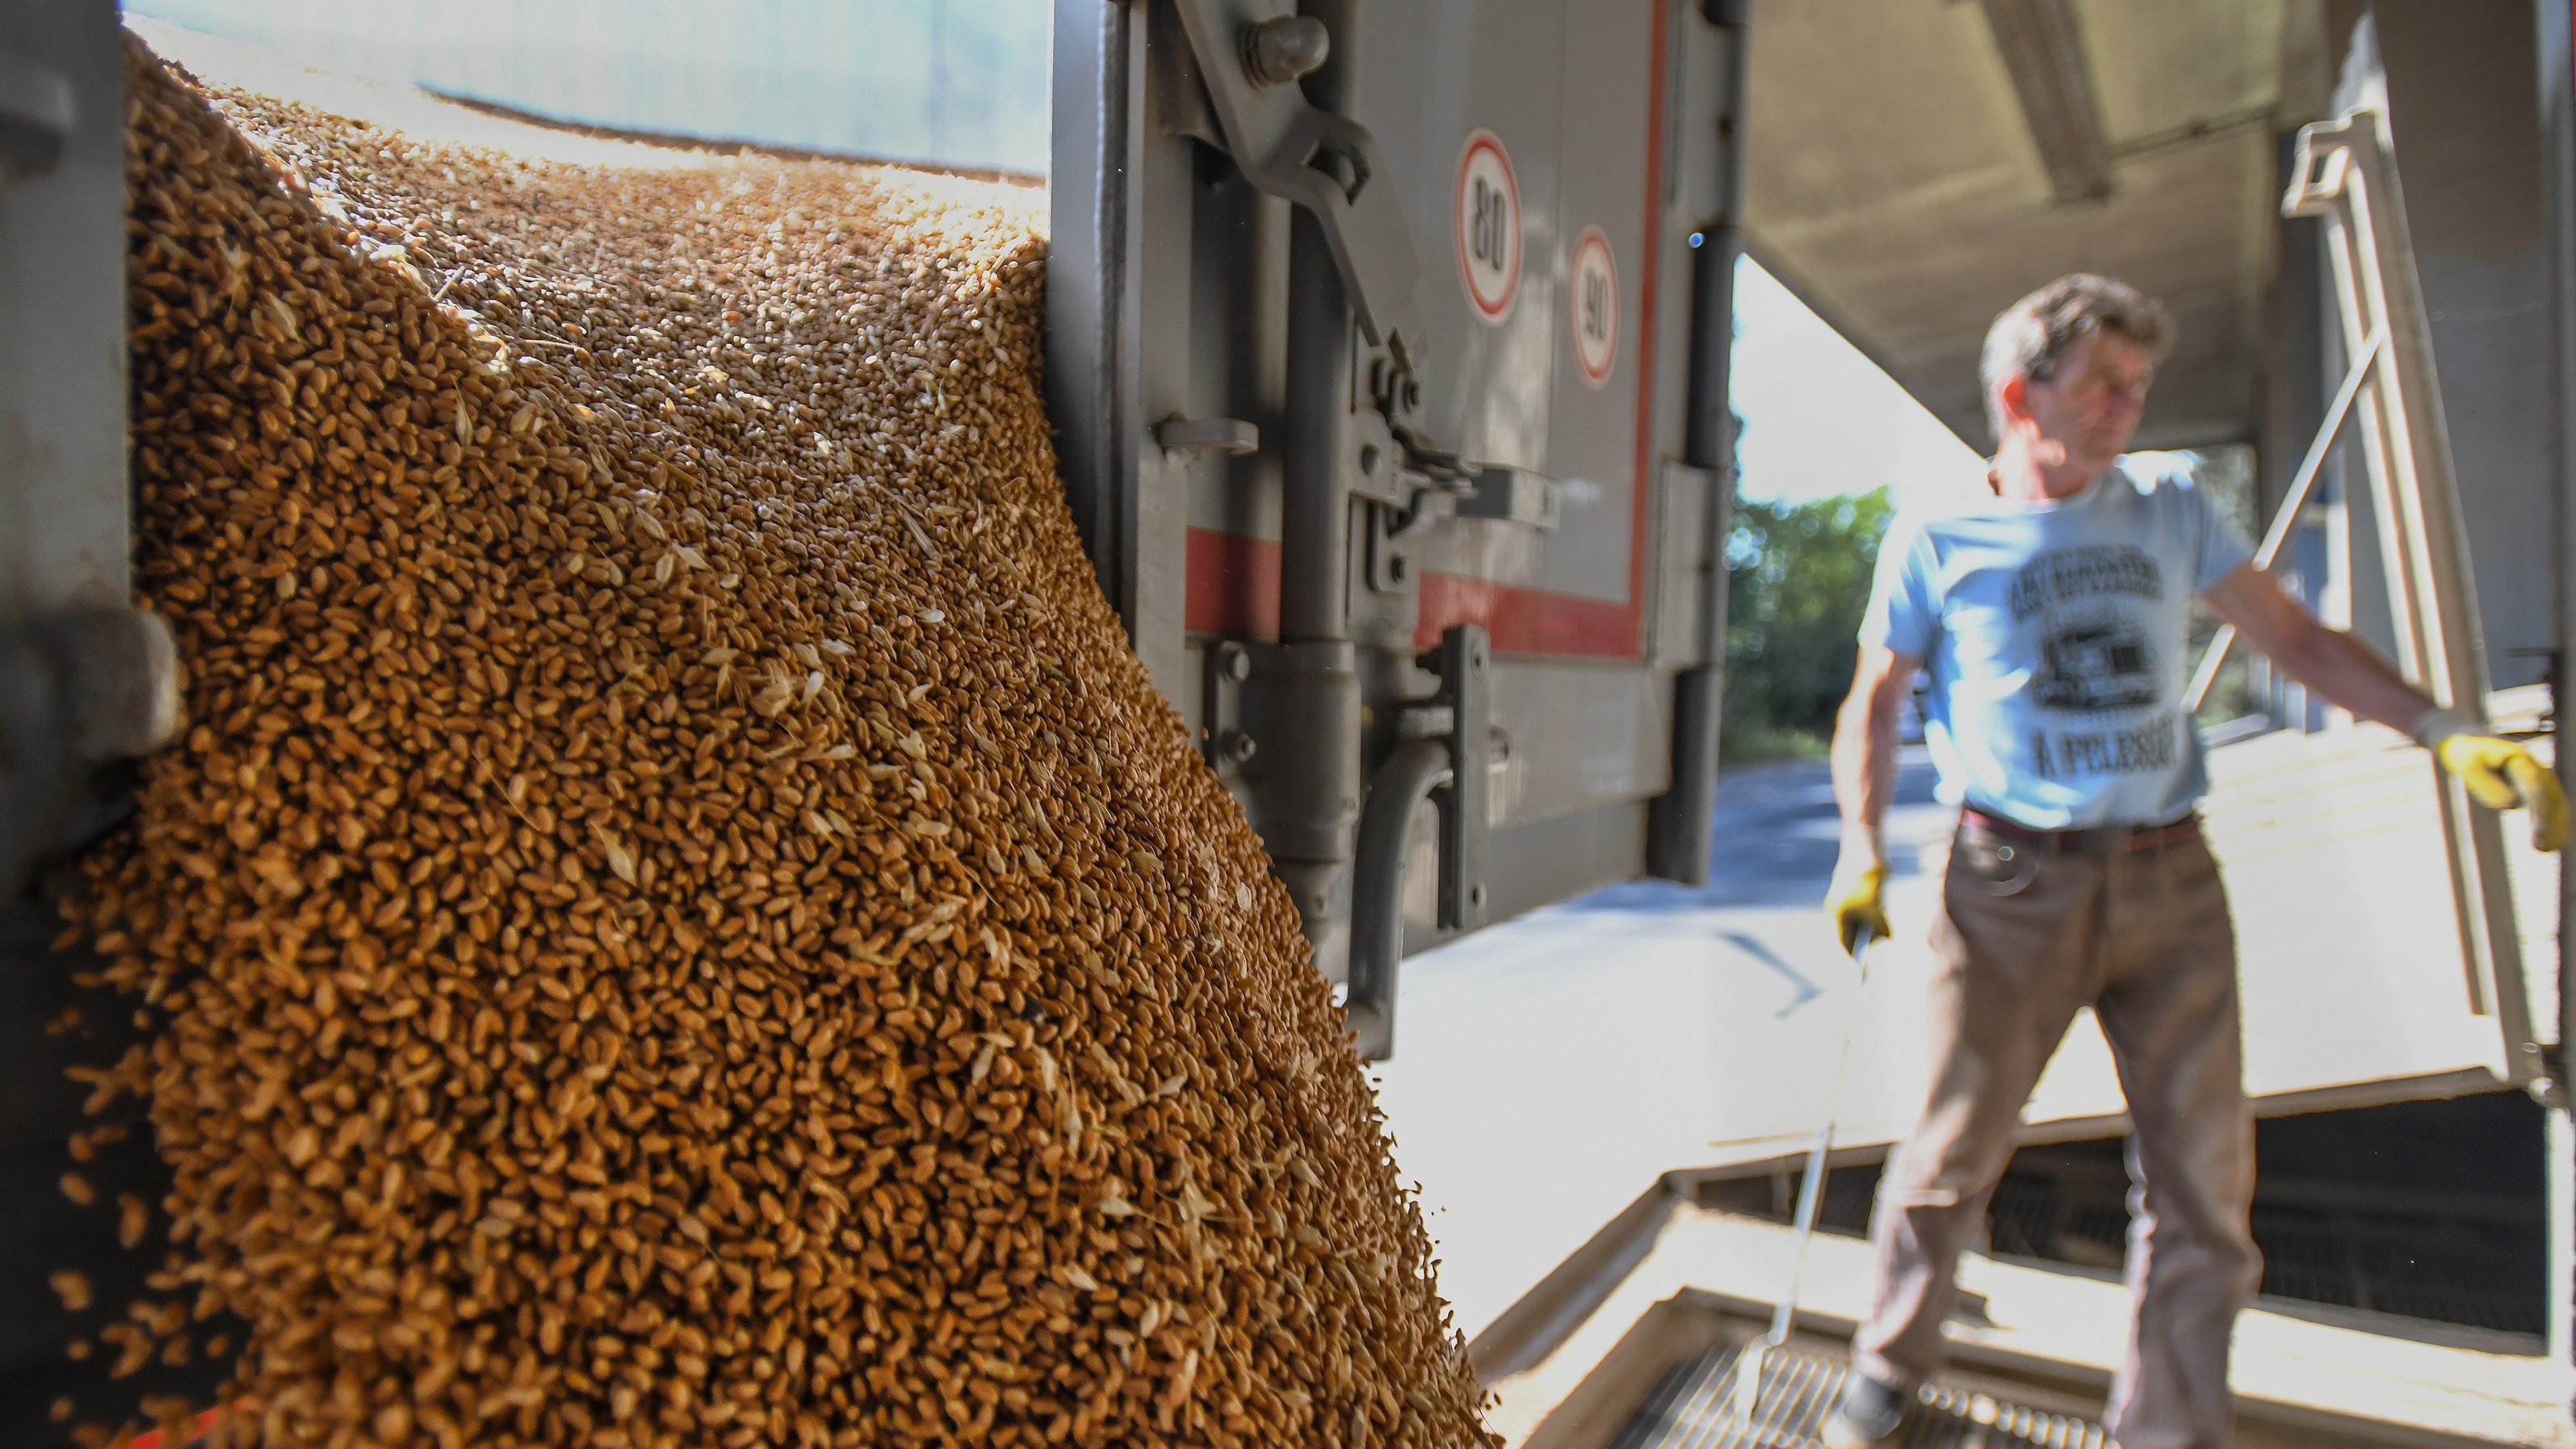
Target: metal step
{"x":1693,"y":1407}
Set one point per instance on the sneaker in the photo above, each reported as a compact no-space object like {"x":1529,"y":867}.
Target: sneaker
{"x":1868,"y":1415}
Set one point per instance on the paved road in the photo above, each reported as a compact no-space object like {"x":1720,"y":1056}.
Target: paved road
{"x":1547,"y":1070}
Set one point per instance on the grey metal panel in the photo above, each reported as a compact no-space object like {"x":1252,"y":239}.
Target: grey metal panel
{"x":1563,"y":88}
{"x":63,"y":540}
{"x":1090,"y":312}
{"x":1680,"y":546}
{"x":1435,"y":71}
{"x":1578,"y":736}
{"x":62,"y":326}
{"x":1530,"y":866}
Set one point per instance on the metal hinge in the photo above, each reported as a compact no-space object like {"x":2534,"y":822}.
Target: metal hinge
{"x":1329,"y":165}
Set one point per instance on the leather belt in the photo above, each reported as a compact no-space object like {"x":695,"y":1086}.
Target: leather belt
{"x":2101,"y":838}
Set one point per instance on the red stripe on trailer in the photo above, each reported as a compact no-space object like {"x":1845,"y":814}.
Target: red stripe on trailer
{"x":1234,"y":592}
{"x":1233,"y":586}
{"x":1526,"y":621}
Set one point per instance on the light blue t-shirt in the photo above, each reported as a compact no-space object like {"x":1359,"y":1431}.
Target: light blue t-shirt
{"x":2053,"y":634}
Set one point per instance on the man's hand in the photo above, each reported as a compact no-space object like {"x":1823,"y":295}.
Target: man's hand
{"x":1864,"y":779}
{"x":2499,"y":773}
{"x":1856,"y":899}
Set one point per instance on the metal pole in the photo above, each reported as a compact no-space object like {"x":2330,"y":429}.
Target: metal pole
{"x":2288,"y":516}
{"x":1811,"y":1196}
{"x":1402,"y":786}
{"x":2557,"y":76}
{"x":1089,"y":307}
{"x":1681,"y":824}
{"x":1314,"y":540}
{"x":1306,"y":797}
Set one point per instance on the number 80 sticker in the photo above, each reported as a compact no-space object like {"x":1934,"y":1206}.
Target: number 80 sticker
{"x":1488,"y":207}
{"x":1594,"y":298}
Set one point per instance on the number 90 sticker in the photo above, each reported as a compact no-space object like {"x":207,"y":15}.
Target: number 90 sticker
{"x":1594,"y":297}
{"x":1489,"y":227}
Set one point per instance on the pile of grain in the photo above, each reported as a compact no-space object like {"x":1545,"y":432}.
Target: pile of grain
{"x":677,"y":919}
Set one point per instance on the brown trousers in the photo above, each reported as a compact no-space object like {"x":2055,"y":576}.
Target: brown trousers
{"x":2024,"y":938}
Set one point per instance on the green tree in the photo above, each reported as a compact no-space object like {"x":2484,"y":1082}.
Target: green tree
{"x":1798,"y":577}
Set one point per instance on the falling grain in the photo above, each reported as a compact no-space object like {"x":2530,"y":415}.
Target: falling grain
{"x":627,"y":968}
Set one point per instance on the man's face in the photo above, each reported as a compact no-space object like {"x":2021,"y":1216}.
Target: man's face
{"x":2087,"y":413}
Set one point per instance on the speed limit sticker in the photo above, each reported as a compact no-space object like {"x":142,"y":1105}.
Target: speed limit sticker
{"x":1594,"y":297}
{"x":1488,"y":207}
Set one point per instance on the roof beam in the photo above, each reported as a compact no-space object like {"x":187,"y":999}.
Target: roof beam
{"x":2043,"y":52}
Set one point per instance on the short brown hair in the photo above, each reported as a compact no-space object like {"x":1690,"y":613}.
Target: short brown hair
{"x":2034,"y":334}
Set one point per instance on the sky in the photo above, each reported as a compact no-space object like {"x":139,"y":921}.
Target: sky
{"x":1820,"y":419}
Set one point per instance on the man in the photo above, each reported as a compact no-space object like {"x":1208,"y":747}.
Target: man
{"x":2049,"y":608}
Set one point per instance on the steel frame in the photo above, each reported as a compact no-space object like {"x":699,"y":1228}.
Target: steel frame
{"x":2342,"y":171}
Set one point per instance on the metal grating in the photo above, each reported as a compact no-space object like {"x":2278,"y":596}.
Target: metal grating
{"x":2415,"y":1263}
{"x":1693,"y":1407}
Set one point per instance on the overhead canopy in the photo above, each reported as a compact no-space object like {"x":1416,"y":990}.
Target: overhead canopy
{"x":1916,"y":165}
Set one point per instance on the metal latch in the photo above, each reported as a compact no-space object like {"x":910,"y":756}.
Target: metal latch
{"x":1464,"y":661}
{"x":35,"y":117}
{"x":79,"y":687}
{"x":1327,"y":164}
{"x":1514,"y":495}
{"x":1231,"y":436}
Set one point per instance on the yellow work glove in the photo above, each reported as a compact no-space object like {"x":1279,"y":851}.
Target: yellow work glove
{"x":1857,"y":897}
{"x":2499,"y":773}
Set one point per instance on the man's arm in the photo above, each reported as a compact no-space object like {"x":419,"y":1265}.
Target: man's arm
{"x":1865,"y":736}
{"x":1864,"y":781}
{"x":2327,"y":660}
{"x":2498,"y":772}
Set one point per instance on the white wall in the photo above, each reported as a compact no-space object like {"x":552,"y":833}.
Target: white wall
{"x":944,"y":82}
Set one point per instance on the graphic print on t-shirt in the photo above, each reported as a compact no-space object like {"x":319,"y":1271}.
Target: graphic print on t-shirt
{"x":2097,"y":658}
{"x":2054,"y":638}
{"x":2093,"y":659}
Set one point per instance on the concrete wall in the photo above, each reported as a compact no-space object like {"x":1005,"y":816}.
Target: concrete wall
{"x":2463,"y":104}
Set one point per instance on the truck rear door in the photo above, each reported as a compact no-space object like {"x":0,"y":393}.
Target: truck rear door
{"x":1422,"y":346}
